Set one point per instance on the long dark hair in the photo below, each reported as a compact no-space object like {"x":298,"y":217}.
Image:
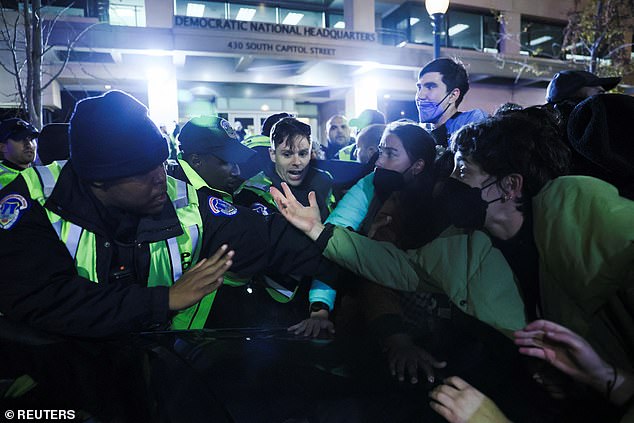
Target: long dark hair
{"x":416,"y":227}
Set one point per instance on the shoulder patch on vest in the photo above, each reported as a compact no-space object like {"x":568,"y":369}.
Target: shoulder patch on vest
{"x":11,"y":207}
{"x":221,"y":208}
{"x":260,"y":208}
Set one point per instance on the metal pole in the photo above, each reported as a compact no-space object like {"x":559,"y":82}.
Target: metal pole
{"x":437,"y":24}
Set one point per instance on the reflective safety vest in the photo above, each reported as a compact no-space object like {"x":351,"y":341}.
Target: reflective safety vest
{"x":198,"y":182}
{"x":260,"y":185}
{"x":348,"y":153}
{"x":257,"y":141}
{"x":7,"y":175}
{"x":168,"y":258}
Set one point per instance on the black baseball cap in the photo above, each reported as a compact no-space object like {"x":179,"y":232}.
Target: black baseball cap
{"x":565,"y":83}
{"x":17,"y":129}
{"x":213,"y":135}
{"x":272,"y":120}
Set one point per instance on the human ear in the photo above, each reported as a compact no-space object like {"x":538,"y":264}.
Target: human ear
{"x":418,"y":166}
{"x":195,"y":160}
{"x":272,"y":154}
{"x":512,"y":186}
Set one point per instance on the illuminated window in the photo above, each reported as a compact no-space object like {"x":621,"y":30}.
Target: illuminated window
{"x":128,"y":13}
{"x":201,"y":9}
{"x":301,"y":17}
{"x":246,"y":12}
{"x":335,"y":20}
{"x":541,"y":38}
{"x":461,"y":29}
{"x":259,"y":12}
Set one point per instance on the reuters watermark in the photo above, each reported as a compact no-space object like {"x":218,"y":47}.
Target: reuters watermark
{"x":39,"y":414}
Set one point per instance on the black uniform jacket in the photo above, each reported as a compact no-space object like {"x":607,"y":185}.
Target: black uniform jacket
{"x":40,"y":286}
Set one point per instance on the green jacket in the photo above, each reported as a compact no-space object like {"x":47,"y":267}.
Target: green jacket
{"x":465,"y":266}
{"x":584,"y":232}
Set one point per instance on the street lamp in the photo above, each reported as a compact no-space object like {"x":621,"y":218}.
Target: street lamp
{"x":436,"y":10}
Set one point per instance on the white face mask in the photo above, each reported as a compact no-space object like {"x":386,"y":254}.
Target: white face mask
{"x":430,"y":112}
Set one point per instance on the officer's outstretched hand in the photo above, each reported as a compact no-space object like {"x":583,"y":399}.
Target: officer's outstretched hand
{"x":306,"y":219}
{"x":312,"y":326}
{"x":202,"y":279}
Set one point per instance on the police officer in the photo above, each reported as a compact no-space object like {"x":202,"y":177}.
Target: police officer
{"x":366,"y":118}
{"x":125,"y":227}
{"x":212,"y":155}
{"x":18,"y":147}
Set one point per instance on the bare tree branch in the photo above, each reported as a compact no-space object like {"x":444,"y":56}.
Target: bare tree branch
{"x":49,"y":29}
{"x":68,"y":50}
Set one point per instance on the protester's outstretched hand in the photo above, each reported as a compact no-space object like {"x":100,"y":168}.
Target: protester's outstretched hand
{"x":565,"y":350}
{"x":312,"y":326}
{"x":459,"y":402}
{"x":407,"y":359}
{"x":202,"y":279}
{"x":307,"y":219}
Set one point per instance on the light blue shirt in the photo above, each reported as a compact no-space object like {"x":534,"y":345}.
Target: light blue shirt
{"x":350,"y":212}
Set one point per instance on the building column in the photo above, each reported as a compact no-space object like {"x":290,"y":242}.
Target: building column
{"x":162,"y":94}
{"x":159,"y":13}
{"x":510,"y":32}
{"x":362,"y":95}
{"x":359,"y":15}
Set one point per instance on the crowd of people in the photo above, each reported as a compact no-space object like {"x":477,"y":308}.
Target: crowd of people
{"x":465,"y":245}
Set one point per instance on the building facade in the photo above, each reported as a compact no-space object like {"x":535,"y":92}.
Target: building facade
{"x":314,"y":58}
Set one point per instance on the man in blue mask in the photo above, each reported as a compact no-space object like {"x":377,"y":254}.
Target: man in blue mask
{"x":441,"y":86}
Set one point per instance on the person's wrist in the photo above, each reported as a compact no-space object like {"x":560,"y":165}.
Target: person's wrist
{"x":321,"y":314}
{"x":398,"y":340}
{"x":315,"y":231}
{"x":623,"y":389}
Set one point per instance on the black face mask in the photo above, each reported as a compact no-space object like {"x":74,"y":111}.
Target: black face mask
{"x":463,"y":204}
{"x":386,"y":182}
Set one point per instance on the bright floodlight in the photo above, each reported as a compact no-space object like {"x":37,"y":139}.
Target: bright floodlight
{"x":162,"y":96}
{"x":436,"y":6}
{"x":340,"y":25}
{"x":365,"y":91}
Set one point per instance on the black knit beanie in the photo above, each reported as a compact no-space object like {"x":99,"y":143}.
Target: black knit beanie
{"x":52,"y":144}
{"x":600,"y":129}
{"x":112,"y":137}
